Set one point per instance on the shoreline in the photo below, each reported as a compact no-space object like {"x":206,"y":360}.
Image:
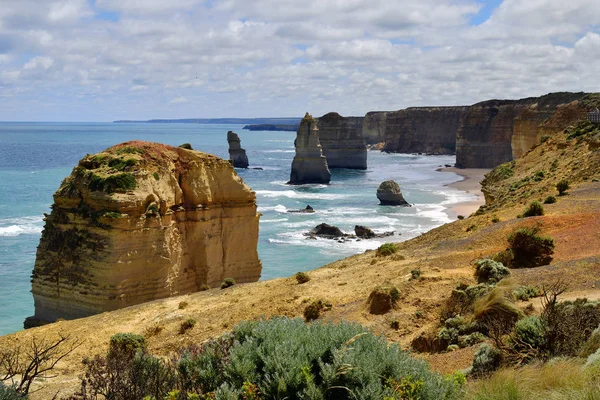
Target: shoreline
{"x":469,"y":184}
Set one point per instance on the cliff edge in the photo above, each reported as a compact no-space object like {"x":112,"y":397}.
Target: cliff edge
{"x":142,"y":221}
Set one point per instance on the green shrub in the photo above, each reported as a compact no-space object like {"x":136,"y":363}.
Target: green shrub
{"x":387,"y":249}
{"x":534,"y":209}
{"x":120,"y":164}
{"x":302,"y":277}
{"x":487,"y":359}
{"x":504,"y":257}
{"x":570,"y":325}
{"x":314,"y":309}
{"x":415,"y":274}
{"x":448,"y":336}
{"x":550,"y":200}
{"x":227,"y":282}
{"x":544,"y":138}
{"x":525,"y":293}
{"x":119,"y":182}
{"x":592,"y":344}
{"x":186,"y":146}
{"x":490,"y":271}
{"x":471,"y":339}
{"x":286,"y":358}
{"x":539,"y":175}
{"x":126,"y":345}
{"x":495,"y":219}
{"x":156,"y":176}
{"x":530,"y":250}
{"x":593,"y":360}
{"x":530,"y":332}
{"x":562,"y":187}
{"x":183,"y":304}
{"x":8,"y":393}
{"x":187,"y":325}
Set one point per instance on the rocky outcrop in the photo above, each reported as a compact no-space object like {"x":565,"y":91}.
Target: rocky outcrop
{"x":373,"y":128}
{"x":363,"y":232}
{"x":430,"y":130}
{"x":389,"y":194}
{"x":309,"y":164}
{"x":342,"y":141}
{"x":142,"y":221}
{"x":237,"y":155}
{"x":307,"y":210}
{"x":496,"y":131}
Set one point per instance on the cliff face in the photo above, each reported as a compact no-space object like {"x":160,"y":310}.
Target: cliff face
{"x":309,"y":164}
{"x":430,"y":130}
{"x":142,"y":221}
{"x":373,"y":128}
{"x":342,"y":141}
{"x":496,"y":131}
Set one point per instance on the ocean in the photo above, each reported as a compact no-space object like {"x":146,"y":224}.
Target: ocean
{"x":36,"y":157}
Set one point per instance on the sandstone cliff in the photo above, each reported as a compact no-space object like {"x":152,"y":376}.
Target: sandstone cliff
{"x":237,"y":155}
{"x":496,"y":131}
{"x":342,"y":141}
{"x":142,"y":221}
{"x":430,"y":130}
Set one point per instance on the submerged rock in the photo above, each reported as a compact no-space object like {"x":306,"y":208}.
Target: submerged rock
{"x":389,"y":194}
{"x":363,"y":232}
{"x":307,"y":210}
{"x":237,"y":155}
{"x":326,"y":230}
{"x":309,"y":165}
{"x":142,"y":221}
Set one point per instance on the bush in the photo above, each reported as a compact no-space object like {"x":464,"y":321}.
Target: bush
{"x":126,"y":345}
{"x":415,"y":274}
{"x":490,"y":271}
{"x":286,"y":358}
{"x":530,"y":250}
{"x":182,"y":305}
{"x":504,"y":257}
{"x":227,"y":282}
{"x":470,"y":339}
{"x":495,"y":219}
{"x":496,"y":312}
{"x":187,"y":325}
{"x":530,"y":333}
{"x":562,"y":187}
{"x":302,"y":277}
{"x":448,"y":336}
{"x":550,"y":200}
{"x":570,"y":324}
{"x":9,"y":393}
{"x":534,"y":209}
{"x":525,"y":293}
{"x":592,"y":360}
{"x":592,"y":344}
{"x":487,"y":359}
{"x":387,"y":249}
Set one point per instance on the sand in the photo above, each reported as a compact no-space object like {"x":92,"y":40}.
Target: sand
{"x":470,"y":184}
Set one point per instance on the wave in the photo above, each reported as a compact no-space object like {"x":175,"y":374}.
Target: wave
{"x":21,"y":226}
{"x":274,"y":220}
{"x":433,"y":212}
{"x":278,"y":208}
{"x":297,"y":195}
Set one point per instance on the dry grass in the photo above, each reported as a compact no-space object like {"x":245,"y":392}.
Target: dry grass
{"x":560,"y":379}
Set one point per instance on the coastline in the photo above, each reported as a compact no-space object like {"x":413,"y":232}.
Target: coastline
{"x":470,"y":184}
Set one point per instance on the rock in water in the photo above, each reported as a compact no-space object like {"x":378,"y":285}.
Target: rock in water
{"x":389,"y":194}
{"x":236,"y":153}
{"x":326,"y":230}
{"x":363,"y":232}
{"x":142,"y":221}
{"x":309,"y":165}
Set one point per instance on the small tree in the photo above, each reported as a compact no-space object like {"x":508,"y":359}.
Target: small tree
{"x":562,"y":187}
{"x":534,"y":209}
{"x":529,"y":249}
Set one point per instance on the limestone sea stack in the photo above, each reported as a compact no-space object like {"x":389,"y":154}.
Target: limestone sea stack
{"x":237,"y":155}
{"x":142,"y":221}
{"x":309,"y":165}
{"x":389,"y":194}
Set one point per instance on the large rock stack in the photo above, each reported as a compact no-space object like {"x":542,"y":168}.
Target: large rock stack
{"x":142,"y":221}
{"x":237,"y":155}
{"x":342,"y":141}
{"x":309,"y":164}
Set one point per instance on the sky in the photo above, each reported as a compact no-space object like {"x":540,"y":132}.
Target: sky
{"x":103,"y":60}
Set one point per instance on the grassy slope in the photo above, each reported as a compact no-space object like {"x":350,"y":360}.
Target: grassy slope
{"x":444,"y":256}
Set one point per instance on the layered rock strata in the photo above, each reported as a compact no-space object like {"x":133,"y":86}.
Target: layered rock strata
{"x":309,"y":164}
{"x":374,"y":125}
{"x":237,"y":155}
{"x":142,"y":221}
{"x":342,"y":141}
{"x":430,"y":130}
{"x":496,"y":131}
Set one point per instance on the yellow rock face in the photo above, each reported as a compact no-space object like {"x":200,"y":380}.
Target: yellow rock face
{"x":142,"y":221}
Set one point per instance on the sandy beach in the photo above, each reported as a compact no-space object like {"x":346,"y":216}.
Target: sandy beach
{"x":469,"y":184}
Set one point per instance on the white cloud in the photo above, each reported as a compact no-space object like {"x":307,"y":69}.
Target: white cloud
{"x":128,"y":58}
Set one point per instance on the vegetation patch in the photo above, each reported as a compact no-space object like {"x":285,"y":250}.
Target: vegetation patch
{"x":529,"y":249}
{"x":383,"y":298}
{"x":187,"y":325}
{"x":534,"y":209}
{"x":119,"y":182}
{"x":562,"y":187}
{"x":302,"y":277}
{"x":227,"y":282}
{"x":387,"y":249}
{"x":490,"y":271}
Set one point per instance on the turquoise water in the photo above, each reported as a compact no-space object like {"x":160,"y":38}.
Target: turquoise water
{"x":35,"y":157}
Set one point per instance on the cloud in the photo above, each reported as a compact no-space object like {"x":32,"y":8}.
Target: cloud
{"x":284,"y":57}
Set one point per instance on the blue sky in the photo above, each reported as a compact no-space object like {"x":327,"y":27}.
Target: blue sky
{"x":101,"y":60}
